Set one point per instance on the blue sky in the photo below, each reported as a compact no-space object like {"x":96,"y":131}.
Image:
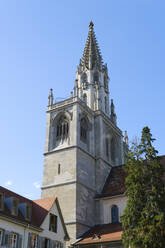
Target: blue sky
{"x":41,"y":43}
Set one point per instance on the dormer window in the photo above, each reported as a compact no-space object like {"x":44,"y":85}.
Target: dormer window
{"x":28,"y":211}
{"x":1,"y":201}
{"x":53,"y":223}
{"x":15,"y":207}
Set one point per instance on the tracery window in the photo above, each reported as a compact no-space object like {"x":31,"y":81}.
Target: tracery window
{"x":83,"y":130}
{"x":115,"y":214}
{"x":62,"y":128}
{"x":113,"y":149}
{"x":96,"y":77}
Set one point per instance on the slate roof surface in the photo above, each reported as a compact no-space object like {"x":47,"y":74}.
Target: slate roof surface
{"x":102,"y":233}
{"x":40,"y":208}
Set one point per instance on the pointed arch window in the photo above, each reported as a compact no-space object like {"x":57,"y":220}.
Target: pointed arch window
{"x":83,"y":130}
{"x":62,"y":128}
{"x":113,"y":149}
{"x":96,"y":77}
{"x":115,"y":214}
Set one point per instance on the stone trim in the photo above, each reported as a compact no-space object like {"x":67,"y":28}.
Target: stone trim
{"x":78,"y":147}
{"x":57,"y":185}
{"x":76,"y":222}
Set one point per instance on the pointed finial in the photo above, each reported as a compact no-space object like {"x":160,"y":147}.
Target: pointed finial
{"x":126,"y":138}
{"x":50,"y":97}
{"x":91,"y":25}
{"x":112,"y":107}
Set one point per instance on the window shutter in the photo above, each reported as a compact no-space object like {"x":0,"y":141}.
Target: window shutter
{"x":19,"y":241}
{"x":7,"y":238}
{"x":3,"y":238}
{"x":29,"y":240}
{"x":39,"y":242}
{"x":53,"y":243}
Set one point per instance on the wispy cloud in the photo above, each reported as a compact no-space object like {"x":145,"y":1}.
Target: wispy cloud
{"x":8,"y":183}
{"x":37,"y":185}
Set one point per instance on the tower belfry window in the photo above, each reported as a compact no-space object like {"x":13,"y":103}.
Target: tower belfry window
{"x":62,"y":128}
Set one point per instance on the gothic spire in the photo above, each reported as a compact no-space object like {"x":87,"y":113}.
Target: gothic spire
{"x":91,"y":56}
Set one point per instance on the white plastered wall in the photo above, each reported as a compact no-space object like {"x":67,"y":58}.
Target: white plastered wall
{"x":120,"y":201}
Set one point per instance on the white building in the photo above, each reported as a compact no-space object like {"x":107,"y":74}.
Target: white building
{"x":30,"y":224}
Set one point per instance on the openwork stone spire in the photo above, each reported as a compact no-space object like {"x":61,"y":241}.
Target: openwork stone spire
{"x":91,"y":57}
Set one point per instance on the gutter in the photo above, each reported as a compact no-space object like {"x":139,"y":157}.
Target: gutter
{"x":18,"y":222}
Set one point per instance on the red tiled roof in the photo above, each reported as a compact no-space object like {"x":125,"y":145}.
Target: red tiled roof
{"x":102,"y":233}
{"x":40,"y":208}
{"x":115,"y":184}
{"x":45,"y":203}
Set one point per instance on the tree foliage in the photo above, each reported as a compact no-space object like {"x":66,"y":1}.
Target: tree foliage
{"x":143,"y":220}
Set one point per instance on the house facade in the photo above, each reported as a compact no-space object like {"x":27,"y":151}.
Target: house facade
{"x":30,"y":224}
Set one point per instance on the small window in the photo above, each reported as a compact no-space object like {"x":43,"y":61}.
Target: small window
{"x":13,"y":240}
{"x":34,"y":241}
{"x":96,"y":77}
{"x":15,"y":207}
{"x":115,"y":214}
{"x":28,"y":211}
{"x":1,"y":200}
{"x":53,"y":223}
{"x":59,"y":169}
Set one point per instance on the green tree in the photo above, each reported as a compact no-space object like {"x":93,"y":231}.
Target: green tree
{"x":143,"y":220}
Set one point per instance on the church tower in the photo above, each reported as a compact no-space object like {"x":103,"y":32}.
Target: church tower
{"x":83,"y":142}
